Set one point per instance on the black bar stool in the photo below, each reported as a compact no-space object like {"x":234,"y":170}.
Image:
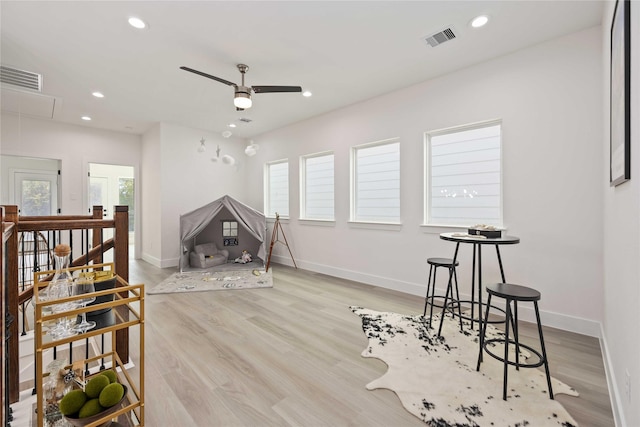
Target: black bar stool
{"x":513,"y":293}
{"x":447,"y":263}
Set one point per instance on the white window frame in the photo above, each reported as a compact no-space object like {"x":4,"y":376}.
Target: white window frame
{"x":427,"y":174}
{"x":267,"y":189}
{"x":353,"y":185}
{"x":304,"y":214}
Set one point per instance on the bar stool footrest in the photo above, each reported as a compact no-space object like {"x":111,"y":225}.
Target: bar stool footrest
{"x":501,"y":341}
{"x":440,"y":297}
{"x":483,"y":304}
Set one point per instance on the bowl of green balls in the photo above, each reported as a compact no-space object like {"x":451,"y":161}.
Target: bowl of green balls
{"x":102,"y":396}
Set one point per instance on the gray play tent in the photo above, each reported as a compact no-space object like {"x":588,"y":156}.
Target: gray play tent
{"x":198,"y":222}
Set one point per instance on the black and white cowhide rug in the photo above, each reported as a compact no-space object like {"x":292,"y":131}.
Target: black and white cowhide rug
{"x":436,"y":379}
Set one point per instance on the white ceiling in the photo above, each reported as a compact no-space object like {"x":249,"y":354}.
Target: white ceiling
{"x":344,"y":52}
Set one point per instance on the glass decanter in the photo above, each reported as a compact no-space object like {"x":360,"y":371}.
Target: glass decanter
{"x":60,"y":287}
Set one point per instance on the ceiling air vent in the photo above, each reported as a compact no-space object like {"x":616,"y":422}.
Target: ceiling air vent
{"x":21,"y":78}
{"x":439,"y":38}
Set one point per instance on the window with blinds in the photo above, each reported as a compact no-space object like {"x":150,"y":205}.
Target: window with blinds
{"x":277,"y":188}
{"x":376,"y":182}
{"x":464,"y":176}
{"x":317,"y":187}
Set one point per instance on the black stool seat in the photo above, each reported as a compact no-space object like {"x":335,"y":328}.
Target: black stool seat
{"x":441,"y":262}
{"x":434,"y":264}
{"x":513,"y":294}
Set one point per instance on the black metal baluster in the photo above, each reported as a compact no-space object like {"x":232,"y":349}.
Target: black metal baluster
{"x":22,"y":281}
{"x":102,"y":367}
{"x":86,"y":356}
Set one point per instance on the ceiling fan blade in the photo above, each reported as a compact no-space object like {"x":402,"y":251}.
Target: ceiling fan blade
{"x":209,"y":76}
{"x":273,"y":89}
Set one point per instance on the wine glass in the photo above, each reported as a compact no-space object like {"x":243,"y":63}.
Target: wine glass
{"x":83,"y":285}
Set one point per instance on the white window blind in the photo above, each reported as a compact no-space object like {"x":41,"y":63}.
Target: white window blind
{"x":317,"y":198}
{"x":464,"y":179}
{"x":376,"y":183}
{"x":277,"y":189}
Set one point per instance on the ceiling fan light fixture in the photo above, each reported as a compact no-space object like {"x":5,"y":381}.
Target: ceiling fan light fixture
{"x":242,"y":98}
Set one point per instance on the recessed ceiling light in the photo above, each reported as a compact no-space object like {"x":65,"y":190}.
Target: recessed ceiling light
{"x":98,"y":94}
{"x":232,"y":125}
{"x":86,"y":118}
{"x":137,"y":23}
{"x":306,"y":93}
{"x":479,"y":21}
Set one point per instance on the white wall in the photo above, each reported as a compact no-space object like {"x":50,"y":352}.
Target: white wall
{"x":549,"y":99}
{"x":74,"y":146}
{"x":179,"y":179}
{"x":622,"y":245}
{"x":151,"y":178}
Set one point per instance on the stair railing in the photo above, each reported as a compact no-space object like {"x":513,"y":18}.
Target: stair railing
{"x":88,"y":229}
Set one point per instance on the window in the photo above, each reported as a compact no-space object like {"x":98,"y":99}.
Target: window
{"x":277,"y":188}
{"x":230,"y":232}
{"x":34,"y":191}
{"x":463,"y":176}
{"x":317,"y":198}
{"x":36,"y":195}
{"x":375,"y":193}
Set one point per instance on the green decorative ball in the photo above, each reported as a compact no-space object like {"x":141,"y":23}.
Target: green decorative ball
{"x":111,"y":394}
{"x":91,"y":408}
{"x":111,"y":375}
{"x":72,"y":402}
{"x":95,"y":386}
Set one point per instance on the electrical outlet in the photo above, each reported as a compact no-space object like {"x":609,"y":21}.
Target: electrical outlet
{"x":627,"y":385}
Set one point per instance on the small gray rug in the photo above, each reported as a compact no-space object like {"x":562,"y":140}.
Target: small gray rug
{"x":229,"y":266}
{"x":206,"y":280}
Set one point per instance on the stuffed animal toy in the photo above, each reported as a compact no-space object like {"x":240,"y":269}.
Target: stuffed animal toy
{"x":245,"y":258}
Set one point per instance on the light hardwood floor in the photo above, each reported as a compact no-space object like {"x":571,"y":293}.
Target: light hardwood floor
{"x":290,"y":356}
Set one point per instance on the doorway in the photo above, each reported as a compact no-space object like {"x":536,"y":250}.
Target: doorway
{"x":111,"y":185}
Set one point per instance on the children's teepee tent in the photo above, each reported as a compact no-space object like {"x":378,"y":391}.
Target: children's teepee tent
{"x":196,"y":227}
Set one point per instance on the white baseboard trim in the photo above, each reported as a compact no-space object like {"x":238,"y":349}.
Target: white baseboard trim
{"x":370,"y":279}
{"x":156,"y":262}
{"x":555,"y":320}
{"x":172,"y":262}
{"x":160,"y":263}
{"x":614,"y":393}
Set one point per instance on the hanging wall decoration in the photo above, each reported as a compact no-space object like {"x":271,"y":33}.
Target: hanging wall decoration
{"x":620,"y":92}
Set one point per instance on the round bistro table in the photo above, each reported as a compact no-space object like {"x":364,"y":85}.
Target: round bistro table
{"x":477,"y":242}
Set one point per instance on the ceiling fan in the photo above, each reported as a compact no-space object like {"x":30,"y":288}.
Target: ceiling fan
{"x":242,"y":97}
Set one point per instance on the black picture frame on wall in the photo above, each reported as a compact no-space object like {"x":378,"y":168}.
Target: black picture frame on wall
{"x":620,"y":90}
